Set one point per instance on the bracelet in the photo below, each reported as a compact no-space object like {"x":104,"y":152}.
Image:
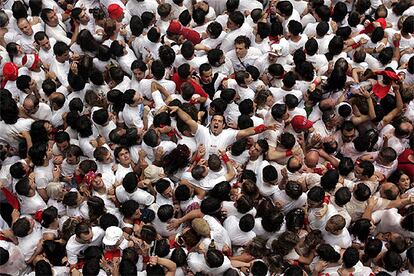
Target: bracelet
{"x":259,"y":129}
{"x":225,"y":158}
{"x":356,"y":45}
{"x":289,"y":153}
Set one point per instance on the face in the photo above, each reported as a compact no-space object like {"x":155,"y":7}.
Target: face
{"x":248,"y":80}
{"x":272,"y":58}
{"x":231,"y":25}
{"x":97,"y":182}
{"x":139,"y":75}
{"x":86,"y":238}
{"x":25,"y":27}
{"x":72,"y":159}
{"x":44,"y":44}
{"x":348,"y":136}
{"x":358,"y":171}
{"x":241,"y":50}
{"x":269,"y":100}
{"x":168,"y":193}
{"x":138,"y":98}
{"x":108,"y":158}
{"x":63,"y":146}
{"x":217,"y":124}
{"x":123,"y":157}
{"x":65,"y":56}
{"x":255,"y":150}
{"x":48,"y":127}
{"x":83,"y":17}
{"x":29,"y":107}
{"x":207,"y":76}
{"x":52,"y":18}
{"x":404,"y":182}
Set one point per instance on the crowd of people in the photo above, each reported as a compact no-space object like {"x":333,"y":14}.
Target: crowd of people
{"x":207,"y":137}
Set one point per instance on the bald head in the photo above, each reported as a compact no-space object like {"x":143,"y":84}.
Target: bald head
{"x":389,"y":191}
{"x":312,"y":159}
{"x":57,"y":100}
{"x":30,"y":103}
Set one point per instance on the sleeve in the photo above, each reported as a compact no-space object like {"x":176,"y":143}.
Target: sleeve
{"x":72,"y":256}
{"x":158,"y":101}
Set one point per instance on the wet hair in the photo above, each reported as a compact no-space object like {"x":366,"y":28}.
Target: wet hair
{"x":392,"y":261}
{"x":108,"y":220}
{"x":362,"y":192}
{"x":342,"y":196}
{"x":329,"y":180}
{"x":327,"y":253}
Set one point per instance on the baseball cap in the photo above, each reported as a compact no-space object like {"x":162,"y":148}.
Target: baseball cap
{"x":115,"y":11}
{"x":112,"y":235}
{"x":201,"y":226}
{"x":10,"y":72}
{"x":174,"y":27}
{"x":300,"y":123}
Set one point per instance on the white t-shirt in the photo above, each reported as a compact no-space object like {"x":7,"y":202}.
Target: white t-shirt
{"x":75,"y":249}
{"x":28,"y":244}
{"x":139,"y":195}
{"x":237,"y":236}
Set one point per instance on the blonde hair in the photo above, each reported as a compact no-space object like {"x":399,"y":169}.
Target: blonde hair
{"x":54,"y":189}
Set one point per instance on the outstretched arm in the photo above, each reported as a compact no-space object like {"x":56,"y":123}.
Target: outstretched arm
{"x":185,"y":117}
{"x":253,"y":130}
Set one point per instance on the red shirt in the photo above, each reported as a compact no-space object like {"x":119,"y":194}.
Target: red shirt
{"x":197,"y":88}
{"x":406,"y":165}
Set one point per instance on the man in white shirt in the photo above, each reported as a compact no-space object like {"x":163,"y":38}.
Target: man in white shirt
{"x":45,"y":44}
{"x":243,"y":55}
{"x":133,"y":109}
{"x":60,"y":65}
{"x":84,"y":236}
{"x":35,"y":109}
{"x":26,"y":37}
{"x":237,"y":26}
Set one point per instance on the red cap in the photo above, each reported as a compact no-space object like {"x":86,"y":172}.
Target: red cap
{"x":115,"y":11}
{"x":382,"y":22}
{"x":175,"y":27}
{"x":10,"y":72}
{"x":191,"y":35}
{"x":300,"y":123}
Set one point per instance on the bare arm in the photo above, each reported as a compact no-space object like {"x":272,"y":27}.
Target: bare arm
{"x":396,"y":111}
{"x":185,"y":117}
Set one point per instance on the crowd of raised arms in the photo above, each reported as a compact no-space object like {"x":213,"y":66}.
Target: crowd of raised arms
{"x":206,"y":137}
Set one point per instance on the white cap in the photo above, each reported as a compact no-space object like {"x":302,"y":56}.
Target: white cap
{"x":112,"y":235}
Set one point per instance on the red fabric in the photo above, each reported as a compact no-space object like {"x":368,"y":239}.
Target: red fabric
{"x":318,"y":171}
{"x":389,"y":74}
{"x":110,"y":255}
{"x":38,"y":216}
{"x":380,"y":91}
{"x":10,"y":72}
{"x":406,"y":165}
{"x":300,"y":123}
{"x":11,"y":198}
{"x":115,"y":11}
{"x":174,"y":27}
{"x":191,"y":35}
{"x":259,"y":129}
{"x":197,"y":88}
{"x":326,"y":199}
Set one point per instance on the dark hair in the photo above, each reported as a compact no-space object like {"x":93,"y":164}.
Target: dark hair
{"x":126,"y":267}
{"x":272,"y":220}
{"x":329,"y":180}
{"x":362,"y":192}
{"x":130,"y":182}
{"x":214,"y":258}
{"x":237,"y":18}
{"x":4,"y":256}
{"x":108,"y":220}
{"x":392,"y":261}
{"x":327,"y":253}
{"x":43,"y":268}
{"x":55,"y":252}
{"x":285,"y":8}
{"x":21,"y":227}
{"x":295,"y":27}
{"x":129,"y":207}
{"x":342,"y":196}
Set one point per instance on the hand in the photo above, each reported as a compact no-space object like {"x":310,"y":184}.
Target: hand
{"x":201,"y":151}
{"x":173,"y":109}
{"x":56,"y":173}
{"x":284,"y":173}
{"x":372,"y":201}
{"x":272,"y":127}
{"x":158,"y":153}
{"x":321,"y":265}
{"x":57,"y":160}
{"x":173,"y":224}
{"x":396,"y":37}
{"x":114,"y":167}
{"x":365,"y":93}
{"x":153,"y":260}
{"x":363,"y":41}
{"x":74,"y":68}
{"x":93,"y":143}
{"x":316,"y":139}
{"x":75,"y":57}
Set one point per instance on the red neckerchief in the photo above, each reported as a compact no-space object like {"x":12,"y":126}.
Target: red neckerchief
{"x":111,"y":254}
{"x":274,"y":39}
{"x":172,"y":132}
{"x":380,"y":91}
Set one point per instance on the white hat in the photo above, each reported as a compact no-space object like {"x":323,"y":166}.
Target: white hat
{"x":153,"y":173}
{"x":112,"y":235}
{"x":276,"y":49}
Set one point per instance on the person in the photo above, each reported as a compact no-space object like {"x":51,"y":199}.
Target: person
{"x":206,"y":137}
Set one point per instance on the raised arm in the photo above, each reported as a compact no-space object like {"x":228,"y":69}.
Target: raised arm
{"x":254,"y":130}
{"x":185,"y":117}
